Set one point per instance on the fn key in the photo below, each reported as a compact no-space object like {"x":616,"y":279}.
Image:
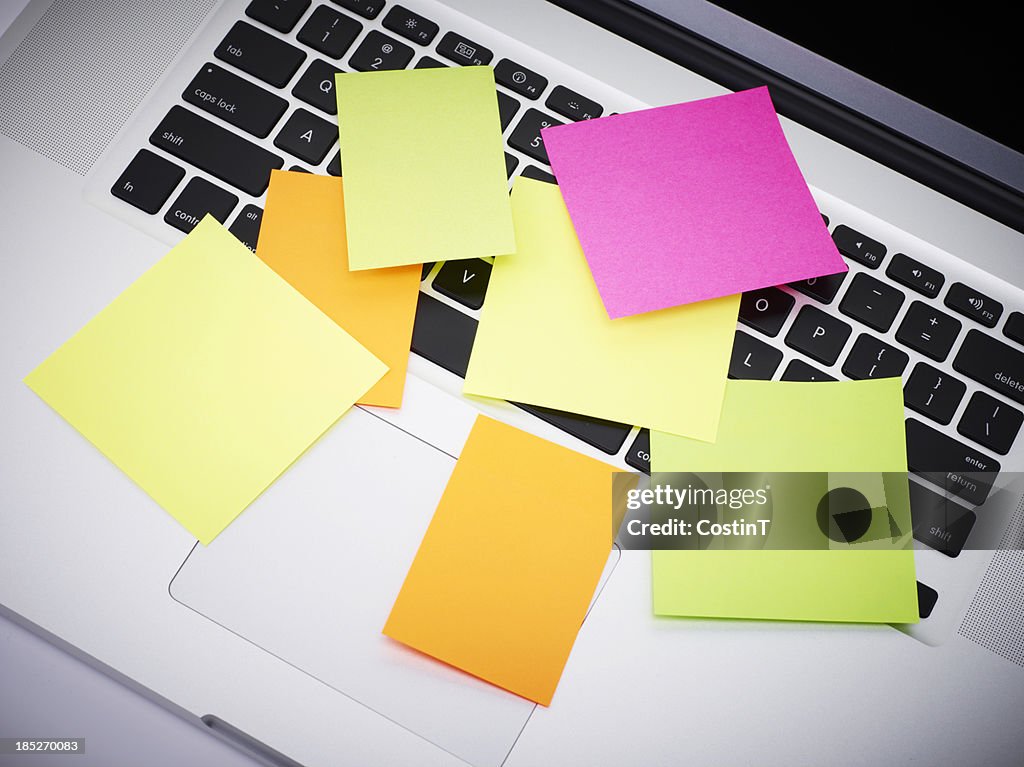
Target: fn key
{"x":148,"y":181}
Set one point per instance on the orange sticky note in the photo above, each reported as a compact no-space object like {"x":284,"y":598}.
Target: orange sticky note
{"x":302,"y":238}
{"x":507,"y":568}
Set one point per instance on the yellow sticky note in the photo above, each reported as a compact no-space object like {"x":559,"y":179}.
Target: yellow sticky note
{"x":507,"y":568}
{"x":206,"y":379}
{"x":772,"y":426}
{"x":545,"y":338}
{"x":424,"y":166}
{"x":302,"y":237}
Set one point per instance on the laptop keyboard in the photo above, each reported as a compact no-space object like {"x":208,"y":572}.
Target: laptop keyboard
{"x":282,"y":43}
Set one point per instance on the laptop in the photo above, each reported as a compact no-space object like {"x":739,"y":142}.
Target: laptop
{"x":124,"y":123}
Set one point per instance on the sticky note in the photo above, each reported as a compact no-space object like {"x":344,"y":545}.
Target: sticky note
{"x":508,"y":566}
{"x":688,"y":202}
{"x":302,"y":238}
{"x":772,"y":426}
{"x":424,"y":166}
{"x":206,"y":378}
{"x":545,"y":339}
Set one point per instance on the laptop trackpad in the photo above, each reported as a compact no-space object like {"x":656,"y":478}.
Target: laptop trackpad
{"x":309,"y":573}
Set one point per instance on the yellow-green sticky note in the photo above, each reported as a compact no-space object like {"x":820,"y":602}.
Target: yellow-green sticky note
{"x":774,"y":426}
{"x":206,"y":378}
{"x":545,"y":338}
{"x":424,"y":166}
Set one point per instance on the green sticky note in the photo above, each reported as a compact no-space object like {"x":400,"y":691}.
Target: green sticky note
{"x":545,"y":337}
{"x":772,"y":426}
{"x":424,"y":166}
{"x":206,"y":378}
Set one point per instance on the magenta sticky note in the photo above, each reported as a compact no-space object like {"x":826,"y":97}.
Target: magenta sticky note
{"x":689,"y":202}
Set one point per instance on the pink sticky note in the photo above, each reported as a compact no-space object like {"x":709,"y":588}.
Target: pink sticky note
{"x":689,"y":202}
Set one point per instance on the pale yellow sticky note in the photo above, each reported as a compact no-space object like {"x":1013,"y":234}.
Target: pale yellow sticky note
{"x":206,"y":378}
{"x":503,"y":578}
{"x":774,"y":426}
{"x":424,"y":166}
{"x":545,"y":338}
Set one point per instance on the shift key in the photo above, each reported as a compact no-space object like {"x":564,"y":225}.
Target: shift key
{"x":215,"y":150}
{"x":992,"y":363}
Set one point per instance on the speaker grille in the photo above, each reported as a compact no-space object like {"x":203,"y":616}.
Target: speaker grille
{"x":80,"y":72}
{"x":995,"y":619}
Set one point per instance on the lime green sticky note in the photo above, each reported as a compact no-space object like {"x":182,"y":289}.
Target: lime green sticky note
{"x":206,"y":378}
{"x":424,"y":166}
{"x":545,"y":338}
{"x":766,"y":426}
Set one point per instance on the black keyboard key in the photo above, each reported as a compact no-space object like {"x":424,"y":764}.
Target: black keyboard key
{"x":766,"y":309}
{"x":368,"y":9}
{"x":871,"y":358}
{"x":822,"y":289}
{"x":329,"y":32}
{"x":970,"y":303}
{"x":462,"y":50}
{"x":316,"y":86}
{"x":510,"y":164}
{"x":429,"y":63}
{"x":464,"y":281}
{"x":532,"y":171}
{"x":753,"y":359}
{"x":443,"y":335}
{"x":281,"y":15}
{"x":818,"y":335}
{"x":507,"y":108}
{"x":872,"y":302}
{"x":425,"y":271}
{"x":234,"y":100}
{"x":198,"y":198}
{"x":928,"y":331}
{"x":518,"y":78}
{"x":410,"y":25}
{"x":824,"y":218}
{"x":933,"y":393}
{"x":148,"y":181}
{"x":299,"y":169}
{"x":926,"y":599}
{"x":334,"y":166}
{"x":526,"y":136}
{"x":246,"y":226}
{"x":798,"y":370}
{"x":939,"y":523}
{"x":855,"y":245}
{"x":990,"y":423}
{"x":261,"y":54}
{"x":1014,"y":328}
{"x":216,"y":150}
{"x":379,"y":52}
{"x":992,"y":363}
{"x":606,"y":436}
{"x":960,"y":470}
{"x":572,"y":105}
{"x":639,"y":454}
{"x":307,"y":136}
{"x":915,"y":275}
